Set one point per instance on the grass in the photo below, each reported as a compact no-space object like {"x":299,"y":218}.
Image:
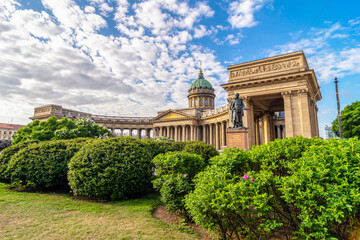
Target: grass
{"x":26,"y":215}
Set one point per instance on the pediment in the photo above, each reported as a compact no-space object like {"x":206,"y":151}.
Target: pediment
{"x":172,"y":115}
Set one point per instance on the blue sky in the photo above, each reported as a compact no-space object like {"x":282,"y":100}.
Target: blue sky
{"x":134,"y":58}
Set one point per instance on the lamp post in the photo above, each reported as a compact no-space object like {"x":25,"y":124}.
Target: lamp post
{"x":338,"y":106}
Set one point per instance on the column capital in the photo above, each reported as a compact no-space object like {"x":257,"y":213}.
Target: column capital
{"x":286,"y":93}
{"x":303,"y":92}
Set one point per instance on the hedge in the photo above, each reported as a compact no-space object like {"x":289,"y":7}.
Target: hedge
{"x":6,"y":155}
{"x":114,"y":168}
{"x":44,"y":166}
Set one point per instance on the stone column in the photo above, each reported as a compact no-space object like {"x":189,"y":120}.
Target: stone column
{"x":183,"y":133}
{"x":191,"y":132}
{"x":211,"y":134}
{"x":139,"y":133}
{"x":266,"y":137}
{"x":288,"y":114}
{"x":121,"y":132}
{"x":176,"y":133}
{"x":204,"y":133}
{"x":217,"y":136}
{"x":305,"y":113}
{"x":130,"y":132}
{"x":223,"y":133}
{"x":257,"y":131}
{"x":167,"y":131}
{"x":248,"y":120}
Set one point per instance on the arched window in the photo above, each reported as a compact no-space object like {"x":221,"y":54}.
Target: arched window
{"x":196,"y":102}
{"x":201,"y":102}
{"x":210,"y":102}
{"x":205,"y":102}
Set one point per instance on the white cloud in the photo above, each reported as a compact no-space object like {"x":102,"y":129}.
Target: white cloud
{"x":59,"y":57}
{"x":241,"y":13}
{"x":233,"y":39}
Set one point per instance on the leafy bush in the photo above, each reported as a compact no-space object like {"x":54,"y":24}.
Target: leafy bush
{"x":296,"y":187}
{"x":44,"y":165}
{"x":6,"y":155}
{"x":174,"y":175}
{"x":206,"y":151}
{"x":53,"y":129}
{"x":114,"y":168}
{"x":324,"y":189}
{"x":157,"y":147}
{"x":4,"y":144}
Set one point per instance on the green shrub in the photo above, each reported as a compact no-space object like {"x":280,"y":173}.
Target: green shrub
{"x":6,"y":155}
{"x":226,"y":198}
{"x":44,"y":165}
{"x":156,"y":147}
{"x":113,"y":168}
{"x":324,"y":188}
{"x":206,"y":151}
{"x":249,"y":194}
{"x":174,"y":175}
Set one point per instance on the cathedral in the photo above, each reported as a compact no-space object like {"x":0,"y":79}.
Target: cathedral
{"x":279,"y":92}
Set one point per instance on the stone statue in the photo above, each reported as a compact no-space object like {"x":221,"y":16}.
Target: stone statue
{"x":237,"y":108}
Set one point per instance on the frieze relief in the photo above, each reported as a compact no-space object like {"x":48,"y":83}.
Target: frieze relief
{"x":266,"y":68}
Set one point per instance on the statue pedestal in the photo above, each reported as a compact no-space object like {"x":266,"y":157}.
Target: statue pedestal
{"x":237,"y":138}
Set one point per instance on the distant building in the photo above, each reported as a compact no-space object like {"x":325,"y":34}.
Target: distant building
{"x":8,"y":130}
{"x":329,"y":134}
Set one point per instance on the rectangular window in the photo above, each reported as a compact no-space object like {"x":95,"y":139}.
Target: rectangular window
{"x":210,"y":102}
{"x":201,"y":102}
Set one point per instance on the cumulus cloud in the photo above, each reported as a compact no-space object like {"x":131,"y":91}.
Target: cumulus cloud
{"x":58,"y":55}
{"x":241,"y":13}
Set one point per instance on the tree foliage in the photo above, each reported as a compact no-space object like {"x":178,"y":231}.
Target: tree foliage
{"x":350,"y":121}
{"x":54,"y":129}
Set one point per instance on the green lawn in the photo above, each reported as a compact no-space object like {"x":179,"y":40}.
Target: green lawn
{"x":25,"y":215}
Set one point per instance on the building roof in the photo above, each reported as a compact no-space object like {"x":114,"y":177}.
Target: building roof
{"x":10,"y":126}
{"x":201,"y":82}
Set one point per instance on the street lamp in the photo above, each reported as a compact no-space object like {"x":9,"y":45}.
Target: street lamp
{"x":338,"y":106}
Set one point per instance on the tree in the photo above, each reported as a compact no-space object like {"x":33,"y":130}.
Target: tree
{"x":350,"y":121}
{"x":65,"y":128}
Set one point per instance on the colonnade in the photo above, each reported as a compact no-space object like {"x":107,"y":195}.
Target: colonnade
{"x":211,"y":133}
{"x":148,"y":132}
{"x":267,"y":128}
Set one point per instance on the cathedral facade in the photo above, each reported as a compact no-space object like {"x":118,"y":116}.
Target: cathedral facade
{"x":280,"y":94}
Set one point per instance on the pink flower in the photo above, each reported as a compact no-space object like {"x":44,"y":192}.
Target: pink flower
{"x":245,"y":176}
{"x":185,"y":175}
{"x":163,"y":184}
{"x":252,"y":179}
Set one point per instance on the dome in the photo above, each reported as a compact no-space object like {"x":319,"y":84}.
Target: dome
{"x":201,"y":82}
